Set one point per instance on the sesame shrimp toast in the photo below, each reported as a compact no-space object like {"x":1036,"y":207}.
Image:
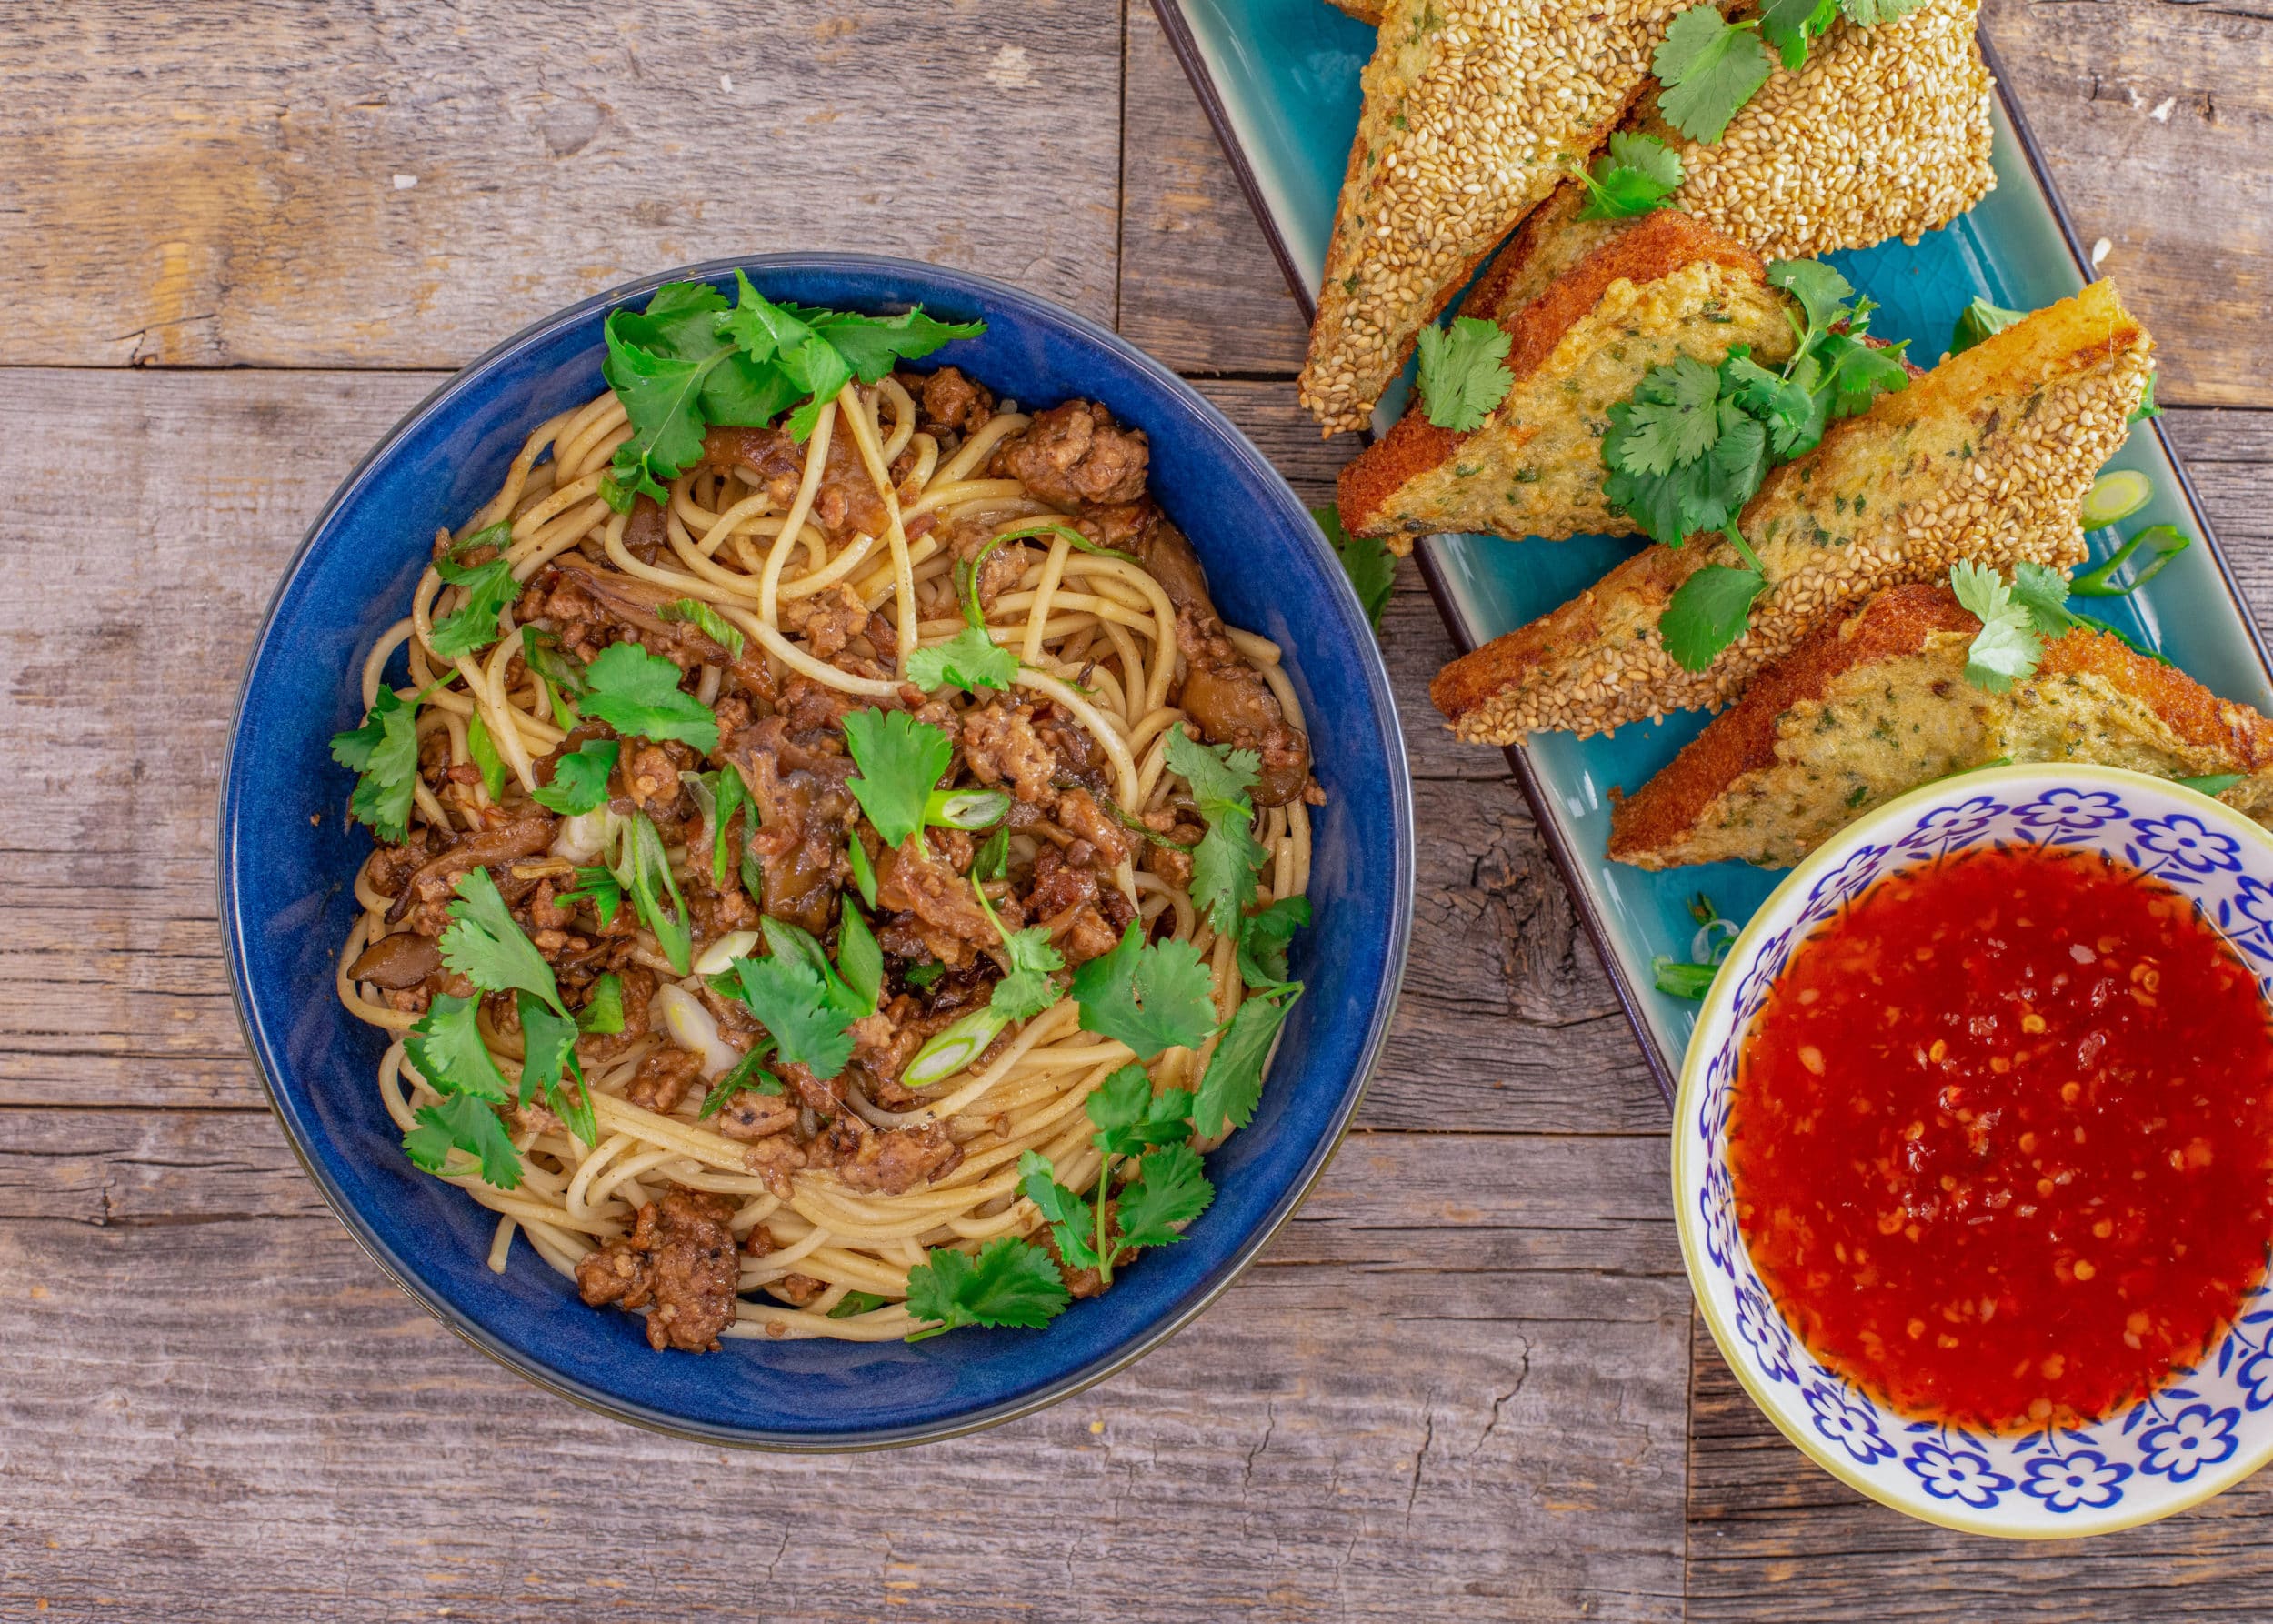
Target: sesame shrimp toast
{"x":1878,"y":703}
{"x":1987,"y":458}
{"x":1472,"y":110}
{"x":1657,"y":288}
{"x":1883,"y":132}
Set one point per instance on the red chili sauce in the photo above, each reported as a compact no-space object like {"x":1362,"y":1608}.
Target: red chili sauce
{"x":2002,"y":1138}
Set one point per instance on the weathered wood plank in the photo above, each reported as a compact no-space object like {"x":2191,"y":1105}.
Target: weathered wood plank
{"x":207,"y":1375}
{"x":268,"y":184}
{"x":130,"y":622}
{"x":1772,"y":1538}
{"x":1199,"y":287}
{"x":2153,"y":116}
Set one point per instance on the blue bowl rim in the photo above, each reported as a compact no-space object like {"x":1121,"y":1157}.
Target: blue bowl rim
{"x":991,"y":294}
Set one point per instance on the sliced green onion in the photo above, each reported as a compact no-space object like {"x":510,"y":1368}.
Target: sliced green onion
{"x":965,"y":809}
{"x":2212,"y":783}
{"x":954,"y":1048}
{"x":2165,"y":542}
{"x":1679,"y":981}
{"x":863,"y":872}
{"x":2115,"y":497}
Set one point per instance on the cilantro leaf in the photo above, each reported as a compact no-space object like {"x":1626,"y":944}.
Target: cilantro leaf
{"x":2147,"y":408}
{"x":1228,"y":858}
{"x":743,"y":1075}
{"x":2008,"y":645}
{"x":901,"y":760}
{"x":662,"y":397}
{"x":1707,"y":612}
{"x":2043,"y":591}
{"x":1370,"y":566}
{"x":1070,"y":1218}
{"x":486,"y":761}
{"x":773,"y":333}
{"x":1169,"y":1189}
{"x":969,"y":660}
{"x":1463,"y":371}
{"x":1706,"y":68}
{"x":484,"y":945}
{"x":1866,"y":14}
{"x":1150,"y":998}
{"x":1027,"y":989}
{"x":800,"y":999}
{"x":705,"y":619}
{"x":856,"y":1302}
{"x":1263,"y":940}
{"x":1789,"y":24}
{"x":579,"y":778}
{"x":1011,"y":1282}
{"x":1638,"y":175}
{"x":633,"y":691}
{"x":1672,"y":417}
{"x":1820,"y":290}
{"x":603,"y":1012}
{"x":1978,"y":320}
{"x":599,"y":887}
{"x":920,"y":975}
{"x":462,"y":1122}
{"x":1130,"y":1119}
{"x":1233,"y":1082}
{"x":489,"y":587}
{"x":871,"y":344}
{"x":445,"y":1047}
{"x":549,"y":1063}
{"x":385,"y":750}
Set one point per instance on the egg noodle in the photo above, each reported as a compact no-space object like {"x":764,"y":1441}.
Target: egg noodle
{"x":1096,"y":636}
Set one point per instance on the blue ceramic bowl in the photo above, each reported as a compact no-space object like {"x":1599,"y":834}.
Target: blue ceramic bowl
{"x":2206,"y":1428}
{"x":287,"y":858}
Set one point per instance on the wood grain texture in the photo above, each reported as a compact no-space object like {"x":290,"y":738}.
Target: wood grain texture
{"x":1774,"y":1539}
{"x":218,"y":1409}
{"x":400,"y":185}
{"x":2154,"y":116}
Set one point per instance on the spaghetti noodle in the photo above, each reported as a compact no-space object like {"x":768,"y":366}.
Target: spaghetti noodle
{"x":791,"y":585}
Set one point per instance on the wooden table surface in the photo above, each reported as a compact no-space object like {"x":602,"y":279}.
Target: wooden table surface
{"x":240,"y":240}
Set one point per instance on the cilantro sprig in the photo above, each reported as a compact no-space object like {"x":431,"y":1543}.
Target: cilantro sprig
{"x":1692,"y":445}
{"x":1150,"y":996}
{"x":579,"y":778}
{"x":805,"y":1002}
{"x":969,"y":660}
{"x":488,"y":587}
{"x":385,"y":750}
{"x":1010,"y":1282}
{"x":1228,"y":860}
{"x":1464,"y":371}
{"x":1709,"y":67}
{"x":688,"y":362}
{"x":901,"y":761}
{"x":633,"y":691}
{"x":1638,"y":175}
{"x":1166,"y":1188}
{"x":2015,"y":620}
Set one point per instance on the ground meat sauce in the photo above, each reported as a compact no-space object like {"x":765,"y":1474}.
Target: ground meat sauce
{"x":787,"y":850}
{"x":2002,"y":1139}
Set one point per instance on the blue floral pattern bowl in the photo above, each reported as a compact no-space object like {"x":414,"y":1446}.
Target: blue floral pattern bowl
{"x":2207,"y":1428}
{"x":287,"y":859}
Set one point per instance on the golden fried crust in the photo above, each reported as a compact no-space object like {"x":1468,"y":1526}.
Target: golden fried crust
{"x":1647,"y":250}
{"x":1472,"y":110}
{"x":1742,"y":738}
{"x":1364,"y":11}
{"x":1870,"y":709}
{"x":1987,"y":458}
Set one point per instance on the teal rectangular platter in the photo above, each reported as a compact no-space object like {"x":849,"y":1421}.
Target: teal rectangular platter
{"x":1278,"y":81}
